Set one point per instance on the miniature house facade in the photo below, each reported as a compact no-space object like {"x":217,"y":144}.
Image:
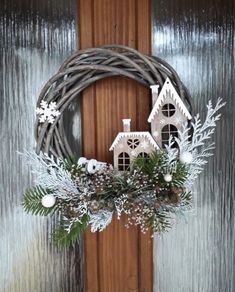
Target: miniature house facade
{"x":168,"y":113}
{"x":129,"y":145}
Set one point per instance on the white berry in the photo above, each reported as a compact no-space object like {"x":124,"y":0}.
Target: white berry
{"x":186,"y":157}
{"x":167,"y":177}
{"x":82,"y":161}
{"x":48,"y":201}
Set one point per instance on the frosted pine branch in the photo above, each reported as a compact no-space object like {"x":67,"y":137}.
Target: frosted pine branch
{"x":100,"y":220}
{"x":197,"y":144}
{"x":50,"y":173}
{"x":171,"y":152}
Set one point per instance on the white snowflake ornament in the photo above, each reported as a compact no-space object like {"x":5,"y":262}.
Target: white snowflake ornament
{"x":47,"y":112}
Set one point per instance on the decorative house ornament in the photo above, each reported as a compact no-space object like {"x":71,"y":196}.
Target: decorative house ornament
{"x":152,"y":173}
{"x":129,"y":145}
{"x":168,"y":114}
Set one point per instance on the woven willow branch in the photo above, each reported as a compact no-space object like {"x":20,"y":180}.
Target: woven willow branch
{"x":86,"y":67}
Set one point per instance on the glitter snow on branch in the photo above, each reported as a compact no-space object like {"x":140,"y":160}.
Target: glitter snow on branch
{"x":197,"y":144}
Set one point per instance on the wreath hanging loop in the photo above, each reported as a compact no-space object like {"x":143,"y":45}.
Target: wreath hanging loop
{"x":83,"y":69}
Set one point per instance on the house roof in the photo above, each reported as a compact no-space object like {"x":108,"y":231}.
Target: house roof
{"x":167,"y":89}
{"x":133,"y":135}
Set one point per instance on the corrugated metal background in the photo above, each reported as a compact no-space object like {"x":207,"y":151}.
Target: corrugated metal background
{"x":36,"y":36}
{"x":197,"y":39}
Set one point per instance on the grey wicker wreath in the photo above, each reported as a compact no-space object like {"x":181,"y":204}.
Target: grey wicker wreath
{"x":86,"y":67}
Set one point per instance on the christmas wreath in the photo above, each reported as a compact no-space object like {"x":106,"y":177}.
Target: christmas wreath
{"x":152,"y":175}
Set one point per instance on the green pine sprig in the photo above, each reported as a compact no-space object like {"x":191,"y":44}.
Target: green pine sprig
{"x":64,"y":238}
{"x":70,"y":164}
{"x":186,"y":199}
{"x":32,"y":201}
{"x":159,"y":222}
{"x":180,"y":174}
{"x":155,"y":161}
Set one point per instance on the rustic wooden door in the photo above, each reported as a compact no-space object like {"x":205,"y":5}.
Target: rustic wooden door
{"x":118,"y":259}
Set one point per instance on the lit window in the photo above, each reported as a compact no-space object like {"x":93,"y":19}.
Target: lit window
{"x":123,"y":161}
{"x":167,"y":131}
{"x":168,"y":110}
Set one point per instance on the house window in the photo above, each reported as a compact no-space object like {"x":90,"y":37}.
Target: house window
{"x":167,"y":131}
{"x":133,"y":143}
{"x":143,"y":155}
{"x":168,"y":110}
{"x":123,"y":161}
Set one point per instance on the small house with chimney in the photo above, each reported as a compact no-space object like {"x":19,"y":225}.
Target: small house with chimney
{"x":129,"y":145}
{"x":168,"y":113}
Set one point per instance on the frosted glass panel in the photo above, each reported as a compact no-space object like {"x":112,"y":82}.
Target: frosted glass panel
{"x":197,"y":39}
{"x":36,"y":36}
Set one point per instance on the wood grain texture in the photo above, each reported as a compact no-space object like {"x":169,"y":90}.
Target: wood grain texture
{"x":117,"y":259}
{"x":197,"y":38}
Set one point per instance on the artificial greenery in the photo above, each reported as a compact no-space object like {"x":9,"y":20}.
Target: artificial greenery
{"x":32,"y":201}
{"x":151,"y":193}
{"x":141,"y":193}
{"x":65,"y":238}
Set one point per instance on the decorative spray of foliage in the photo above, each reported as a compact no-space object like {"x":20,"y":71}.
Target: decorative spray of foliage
{"x":197,"y":143}
{"x":142,"y":193}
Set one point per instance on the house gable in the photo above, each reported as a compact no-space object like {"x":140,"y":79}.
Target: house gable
{"x":168,"y":91}
{"x":129,"y":145}
{"x":134,"y":135}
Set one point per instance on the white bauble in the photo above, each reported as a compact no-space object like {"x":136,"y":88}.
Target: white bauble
{"x":82,"y":161}
{"x":92,"y":166}
{"x":186,"y":157}
{"x":167,"y":177}
{"x":48,"y":201}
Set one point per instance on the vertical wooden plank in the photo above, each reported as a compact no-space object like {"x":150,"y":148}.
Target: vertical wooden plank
{"x":144,"y":46}
{"x":118,"y":259}
{"x":85,"y":16}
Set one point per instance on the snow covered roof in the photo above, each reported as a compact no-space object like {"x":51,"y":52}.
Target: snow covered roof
{"x":166,"y":89}
{"x":133,"y":135}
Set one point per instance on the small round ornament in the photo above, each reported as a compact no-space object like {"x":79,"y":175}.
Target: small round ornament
{"x":92,"y":166}
{"x":168,"y":177}
{"x":82,"y":161}
{"x":186,"y":157}
{"x":48,"y":201}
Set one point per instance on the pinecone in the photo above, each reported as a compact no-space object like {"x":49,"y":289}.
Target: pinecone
{"x":174,"y":198}
{"x":94,"y":206}
{"x":111,"y":205}
{"x":177,"y":190}
{"x":157,"y":205}
{"x":157,"y":189}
